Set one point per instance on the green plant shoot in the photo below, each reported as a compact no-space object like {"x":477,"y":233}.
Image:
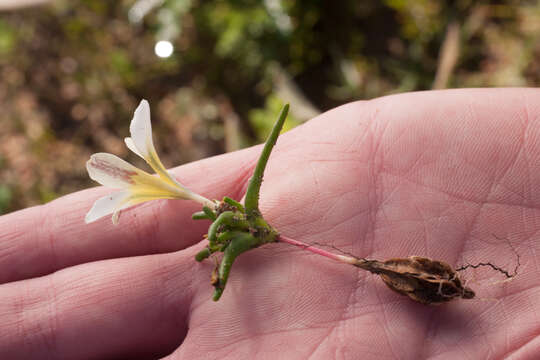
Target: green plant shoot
{"x":236,"y":227}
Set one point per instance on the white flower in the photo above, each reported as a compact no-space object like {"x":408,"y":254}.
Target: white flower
{"x":137,"y":185}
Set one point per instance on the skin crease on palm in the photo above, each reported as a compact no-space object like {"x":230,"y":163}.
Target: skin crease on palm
{"x":434,"y":174}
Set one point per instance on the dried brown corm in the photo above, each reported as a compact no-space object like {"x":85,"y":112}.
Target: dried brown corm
{"x":424,"y":280}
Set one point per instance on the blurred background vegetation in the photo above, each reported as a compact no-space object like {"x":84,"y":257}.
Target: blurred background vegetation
{"x":73,"y":71}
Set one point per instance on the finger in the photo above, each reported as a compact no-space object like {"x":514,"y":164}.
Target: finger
{"x":42,"y":239}
{"x":115,"y":308}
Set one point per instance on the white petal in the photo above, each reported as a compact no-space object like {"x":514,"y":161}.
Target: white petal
{"x":107,"y":205}
{"x":110,"y":170}
{"x":141,"y":130}
{"x":141,"y":142}
{"x":131,"y":146}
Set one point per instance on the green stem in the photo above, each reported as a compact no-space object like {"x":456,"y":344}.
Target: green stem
{"x":227,"y":218}
{"x":223,"y":238}
{"x":206,"y":213}
{"x":221,"y":219}
{"x":240,"y":243}
{"x":252,"y":194}
{"x":234,"y":203}
{"x":203,"y":254}
{"x":200,"y":215}
{"x":211,"y":215}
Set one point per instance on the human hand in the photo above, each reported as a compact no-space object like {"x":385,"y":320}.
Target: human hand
{"x":434,"y":174}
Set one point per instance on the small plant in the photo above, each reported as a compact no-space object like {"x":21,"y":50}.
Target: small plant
{"x":237,"y":228}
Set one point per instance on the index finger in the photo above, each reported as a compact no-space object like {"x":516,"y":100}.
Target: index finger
{"x":42,"y":239}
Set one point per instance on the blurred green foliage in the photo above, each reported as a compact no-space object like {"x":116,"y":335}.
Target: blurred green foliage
{"x":73,"y":72}
{"x":259,"y":117}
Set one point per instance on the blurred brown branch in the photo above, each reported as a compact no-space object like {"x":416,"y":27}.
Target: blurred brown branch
{"x":448,"y":56}
{"x":16,"y":4}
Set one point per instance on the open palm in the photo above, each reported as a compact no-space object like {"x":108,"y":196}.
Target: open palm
{"x":450,"y":175}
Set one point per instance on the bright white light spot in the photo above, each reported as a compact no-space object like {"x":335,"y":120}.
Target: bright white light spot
{"x":163,"y":48}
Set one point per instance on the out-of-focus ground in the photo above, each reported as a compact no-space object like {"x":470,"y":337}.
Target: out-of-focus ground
{"x":73,"y":71}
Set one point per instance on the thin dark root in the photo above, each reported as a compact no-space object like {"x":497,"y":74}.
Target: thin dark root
{"x":495,"y":267}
